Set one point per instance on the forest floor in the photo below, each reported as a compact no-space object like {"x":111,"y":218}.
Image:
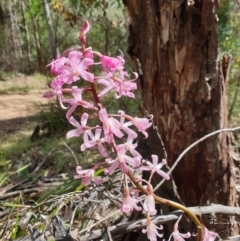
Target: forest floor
{"x":36,"y":176}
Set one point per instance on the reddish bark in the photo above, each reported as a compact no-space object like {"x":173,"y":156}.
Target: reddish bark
{"x":174,"y":45}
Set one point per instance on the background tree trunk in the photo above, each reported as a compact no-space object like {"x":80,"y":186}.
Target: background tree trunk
{"x":51,"y":34}
{"x":27,"y":36}
{"x":173,"y":45}
{"x":13,"y":31}
{"x":41,"y":68}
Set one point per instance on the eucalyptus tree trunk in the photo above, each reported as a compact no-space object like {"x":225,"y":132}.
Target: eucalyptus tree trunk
{"x":173,"y":46}
{"x":52,"y":38}
{"x":13,"y":33}
{"x":26,"y":30}
{"x":41,"y":68}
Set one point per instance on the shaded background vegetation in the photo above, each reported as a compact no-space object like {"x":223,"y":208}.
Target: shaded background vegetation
{"x":35,"y":32}
{"x":32,"y":34}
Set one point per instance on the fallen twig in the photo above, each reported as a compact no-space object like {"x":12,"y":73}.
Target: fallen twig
{"x":127,"y":227}
{"x":194,"y":144}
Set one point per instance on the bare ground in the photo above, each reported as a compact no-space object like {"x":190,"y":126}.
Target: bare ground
{"x":20,"y":97}
{"x":20,"y":105}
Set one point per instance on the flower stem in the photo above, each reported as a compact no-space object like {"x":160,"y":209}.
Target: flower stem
{"x":170,"y":203}
{"x":95,"y":96}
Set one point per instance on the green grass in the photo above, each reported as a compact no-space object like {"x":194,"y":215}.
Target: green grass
{"x":19,"y":156}
{"x":19,"y":83}
{"x":15,"y":89}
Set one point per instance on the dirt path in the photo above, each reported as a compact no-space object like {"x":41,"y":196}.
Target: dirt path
{"x":21,"y":96}
{"x":20,"y":105}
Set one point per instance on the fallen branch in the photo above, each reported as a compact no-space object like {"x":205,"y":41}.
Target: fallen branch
{"x":63,"y":233}
{"x":194,"y":144}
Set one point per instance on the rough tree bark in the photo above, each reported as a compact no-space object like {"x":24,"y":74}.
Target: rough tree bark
{"x":173,"y":45}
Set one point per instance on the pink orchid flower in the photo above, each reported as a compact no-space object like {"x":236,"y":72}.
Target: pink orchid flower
{"x":87,"y":176}
{"x":77,"y":101}
{"x":112,"y":64}
{"x":57,"y":64}
{"x":124,"y":87}
{"x":129,"y":146}
{"x":152,"y":230}
{"x":57,"y":85}
{"x":80,"y":128}
{"x":176,"y":235}
{"x":109,"y":85}
{"x":141,"y":124}
{"x":208,"y":235}
{"x":95,"y":140}
{"x":129,"y":203}
{"x":121,"y":86}
{"x":110,"y":125}
{"x":122,"y":161}
{"x":76,"y":67}
{"x":155,"y":167}
{"x":125,"y":126}
{"x":149,"y":202}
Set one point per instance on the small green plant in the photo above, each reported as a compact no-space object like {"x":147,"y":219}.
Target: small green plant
{"x":51,"y":119}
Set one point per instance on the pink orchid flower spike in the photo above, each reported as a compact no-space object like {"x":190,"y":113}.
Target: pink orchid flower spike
{"x":176,"y":235}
